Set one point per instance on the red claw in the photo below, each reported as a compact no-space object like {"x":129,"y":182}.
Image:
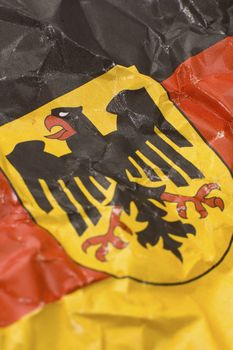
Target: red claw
{"x":219,"y":203}
{"x":108,"y":238}
{"x":182,"y":210}
{"x":198,"y":200}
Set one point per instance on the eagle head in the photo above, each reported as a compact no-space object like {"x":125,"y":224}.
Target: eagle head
{"x":66,"y":118}
{"x":77,"y":130}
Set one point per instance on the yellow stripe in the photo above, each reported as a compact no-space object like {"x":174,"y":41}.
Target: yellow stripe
{"x":143,"y":180}
{"x":122,"y":314}
{"x":47,"y":192}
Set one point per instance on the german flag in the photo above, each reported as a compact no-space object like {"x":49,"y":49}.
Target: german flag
{"x":116,"y":143}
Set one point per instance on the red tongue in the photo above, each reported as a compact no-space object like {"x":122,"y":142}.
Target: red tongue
{"x":58,"y":135}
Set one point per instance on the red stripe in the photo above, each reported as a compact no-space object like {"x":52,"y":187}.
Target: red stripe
{"x":34,"y":269}
{"x":202,"y":87}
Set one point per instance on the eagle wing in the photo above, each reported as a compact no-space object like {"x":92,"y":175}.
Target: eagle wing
{"x":37,"y":166}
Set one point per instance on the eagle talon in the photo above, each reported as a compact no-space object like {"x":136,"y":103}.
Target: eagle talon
{"x":203,"y":214}
{"x":198,"y":200}
{"x":182,"y":210}
{"x":219,"y":203}
{"x":108,"y":238}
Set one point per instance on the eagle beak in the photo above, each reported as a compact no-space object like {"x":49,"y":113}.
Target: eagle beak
{"x":66,"y":132}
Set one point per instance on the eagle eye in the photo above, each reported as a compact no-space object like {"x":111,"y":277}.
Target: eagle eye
{"x":63,"y":114}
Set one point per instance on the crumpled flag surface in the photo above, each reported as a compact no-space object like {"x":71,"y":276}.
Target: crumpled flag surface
{"x":116,"y":174}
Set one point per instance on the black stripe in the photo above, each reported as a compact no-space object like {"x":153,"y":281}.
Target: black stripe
{"x":154,"y":35}
{"x":148,"y":170}
{"x":133,"y":170}
{"x":176,"y":158}
{"x":88,"y":207}
{"x":44,"y":65}
{"x":166,"y":168}
{"x":74,"y":216}
{"x":92,"y":189}
{"x":102,"y":180}
{"x":37,"y":191}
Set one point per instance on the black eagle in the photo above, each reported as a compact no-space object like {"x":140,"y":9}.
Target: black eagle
{"x":122,"y":155}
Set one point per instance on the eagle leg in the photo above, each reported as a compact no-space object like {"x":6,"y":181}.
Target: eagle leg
{"x":109,"y":238}
{"x":198,"y":200}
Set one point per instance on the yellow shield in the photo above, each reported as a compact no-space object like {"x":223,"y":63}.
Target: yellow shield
{"x":203,"y":202}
